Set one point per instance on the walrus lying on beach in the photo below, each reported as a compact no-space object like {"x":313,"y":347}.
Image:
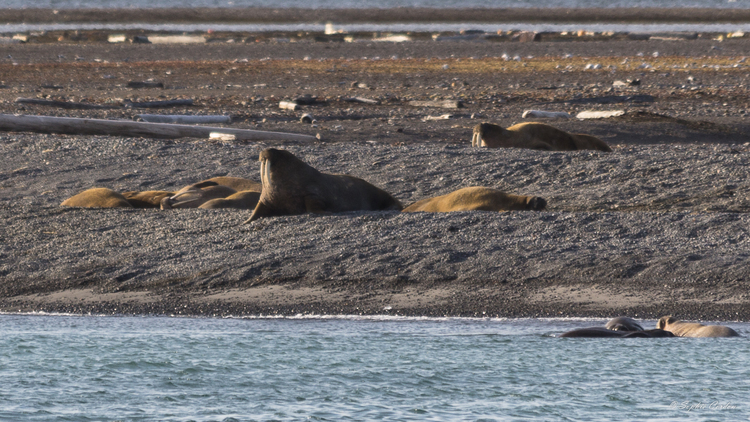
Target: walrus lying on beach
{"x":620,"y":327}
{"x":237,"y":183}
{"x":693,"y":329}
{"x":195,"y":195}
{"x":245,"y":200}
{"x":97,"y":198}
{"x":291,"y":187}
{"x":477,"y":198}
{"x":534,"y":135}
{"x":147,"y":198}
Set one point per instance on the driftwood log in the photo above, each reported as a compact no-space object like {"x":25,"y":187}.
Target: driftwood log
{"x":440,"y":104}
{"x":362,"y":100}
{"x":77,"y":126}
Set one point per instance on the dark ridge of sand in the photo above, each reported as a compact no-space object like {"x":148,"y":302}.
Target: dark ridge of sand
{"x":395,"y":15}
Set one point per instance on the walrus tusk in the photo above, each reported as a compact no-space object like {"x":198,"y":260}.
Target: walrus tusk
{"x":267,"y":171}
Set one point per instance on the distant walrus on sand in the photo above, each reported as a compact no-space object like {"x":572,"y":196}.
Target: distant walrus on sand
{"x":693,"y":329}
{"x":245,"y":200}
{"x":147,"y":198}
{"x":194,"y":196}
{"x":97,"y":198}
{"x":477,"y":198}
{"x":533,"y":135}
{"x":291,"y":187}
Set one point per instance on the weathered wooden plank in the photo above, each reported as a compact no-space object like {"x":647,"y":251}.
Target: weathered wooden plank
{"x":78,"y":126}
{"x":441,"y":104}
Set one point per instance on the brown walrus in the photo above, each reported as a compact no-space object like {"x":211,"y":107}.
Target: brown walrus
{"x":290,"y":186}
{"x":693,"y":329}
{"x":97,"y":198}
{"x":146,"y":199}
{"x":195,"y":195}
{"x":534,"y":135}
{"x":237,"y":183}
{"x":477,"y":198}
{"x":245,"y":200}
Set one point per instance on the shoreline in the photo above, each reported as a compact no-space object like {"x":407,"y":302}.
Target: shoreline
{"x":657,"y":227}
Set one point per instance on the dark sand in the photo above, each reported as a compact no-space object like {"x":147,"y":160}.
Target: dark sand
{"x":657,"y":227}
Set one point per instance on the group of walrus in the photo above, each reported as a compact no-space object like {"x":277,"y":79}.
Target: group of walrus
{"x":290,"y":186}
{"x":668,"y":326}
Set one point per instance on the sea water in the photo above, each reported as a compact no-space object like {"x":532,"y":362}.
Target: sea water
{"x":10,"y":28}
{"x":69,"y":368}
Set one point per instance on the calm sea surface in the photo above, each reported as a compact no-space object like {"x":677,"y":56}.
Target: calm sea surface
{"x":421,"y":27}
{"x":65,"y":368}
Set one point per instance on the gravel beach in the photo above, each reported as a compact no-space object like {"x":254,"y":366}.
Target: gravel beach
{"x":659,"y":226}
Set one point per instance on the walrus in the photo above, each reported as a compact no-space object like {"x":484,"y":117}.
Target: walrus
{"x":477,"y":198}
{"x":245,"y":200}
{"x":693,"y":329}
{"x":146,"y":199}
{"x":623,"y":324}
{"x":97,"y":198}
{"x":534,"y":135}
{"x":620,"y":327}
{"x":237,"y":183}
{"x":195,"y":195}
{"x":601,"y":332}
{"x":290,"y":186}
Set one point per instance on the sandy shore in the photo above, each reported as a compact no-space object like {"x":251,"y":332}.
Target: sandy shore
{"x":659,"y":226}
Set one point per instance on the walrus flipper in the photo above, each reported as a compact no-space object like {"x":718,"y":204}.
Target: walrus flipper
{"x":261,"y":210}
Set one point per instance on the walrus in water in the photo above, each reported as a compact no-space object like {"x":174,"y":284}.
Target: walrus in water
{"x":194,"y":196}
{"x":237,"y":183}
{"x":623,"y":324}
{"x":146,"y":199}
{"x":245,"y":200}
{"x":693,"y":329}
{"x":97,"y":198}
{"x":620,"y":327}
{"x":601,"y":332}
{"x":291,"y":187}
{"x":534,"y":135}
{"x":477,"y":198}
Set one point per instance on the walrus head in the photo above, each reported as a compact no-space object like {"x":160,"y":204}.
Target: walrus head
{"x":536,"y":203}
{"x":486,"y":130}
{"x":665,"y":321}
{"x":283,"y":177}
